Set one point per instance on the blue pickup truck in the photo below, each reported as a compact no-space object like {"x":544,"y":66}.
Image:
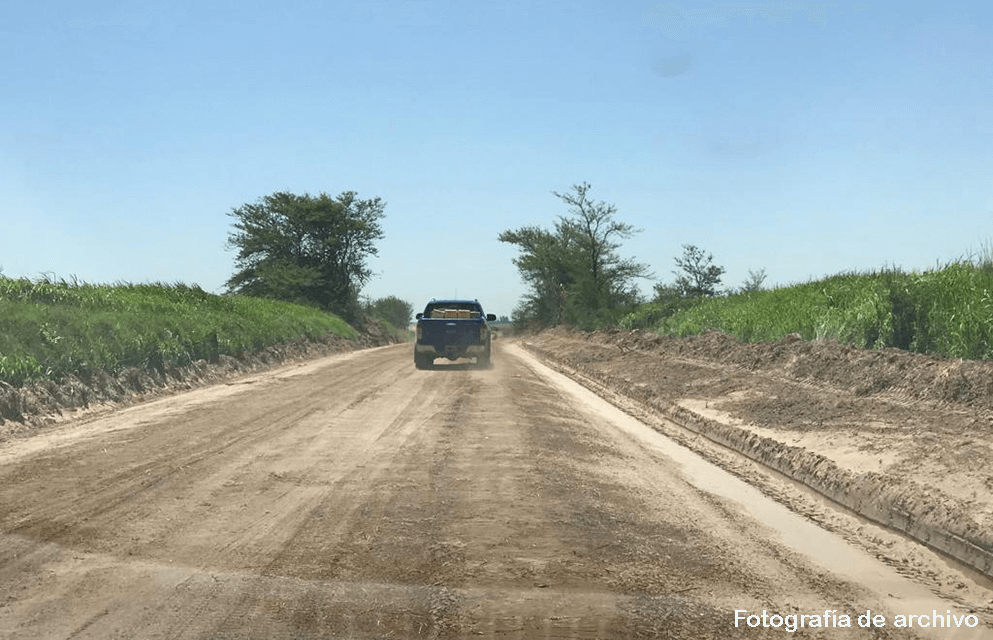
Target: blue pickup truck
{"x":452,"y":329}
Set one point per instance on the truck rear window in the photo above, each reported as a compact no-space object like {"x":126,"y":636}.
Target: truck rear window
{"x":453,"y":311}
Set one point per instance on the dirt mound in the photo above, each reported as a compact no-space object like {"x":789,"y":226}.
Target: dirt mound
{"x":863,"y":372}
{"x":901,"y":438}
{"x":25,"y":409}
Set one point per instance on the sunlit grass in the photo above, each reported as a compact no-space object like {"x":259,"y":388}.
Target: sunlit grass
{"x":946,"y":311}
{"x":49,"y":328}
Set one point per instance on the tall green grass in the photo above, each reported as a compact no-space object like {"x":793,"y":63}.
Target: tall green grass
{"x":50,"y":328}
{"x":946,"y":311}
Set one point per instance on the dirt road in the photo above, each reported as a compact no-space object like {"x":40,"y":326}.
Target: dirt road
{"x":355,"y":497}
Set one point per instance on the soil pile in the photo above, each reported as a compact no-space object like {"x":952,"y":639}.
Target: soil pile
{"x":25,"y":409}
{"x":902,"y":438}
{"x":967,"y":384}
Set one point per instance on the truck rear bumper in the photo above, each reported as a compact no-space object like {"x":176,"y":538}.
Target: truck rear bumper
{"x":451,"y":352}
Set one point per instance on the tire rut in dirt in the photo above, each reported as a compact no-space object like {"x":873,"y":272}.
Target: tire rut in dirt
{"x":101,"y":497}
{"x":373,"y":550}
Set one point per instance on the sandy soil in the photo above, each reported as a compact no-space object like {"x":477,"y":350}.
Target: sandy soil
{"x":355,"y":497}
{"x":903,"y":438}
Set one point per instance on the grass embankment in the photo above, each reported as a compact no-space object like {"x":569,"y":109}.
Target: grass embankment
{"x":48,"y":329}
{"x":947,"y":311}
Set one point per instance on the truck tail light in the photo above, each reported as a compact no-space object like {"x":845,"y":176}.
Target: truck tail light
{"x":482,"y":332}
{"x":418,"y":331}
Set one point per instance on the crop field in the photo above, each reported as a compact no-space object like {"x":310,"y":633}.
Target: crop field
{"x":50,"y":328}
{"x":947,"y":311}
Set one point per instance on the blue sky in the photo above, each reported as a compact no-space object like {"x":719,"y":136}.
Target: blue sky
{"x":805,"y":138}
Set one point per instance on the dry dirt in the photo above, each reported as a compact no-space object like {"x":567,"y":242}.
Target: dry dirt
{"x":356,"y":497}
{"x":904,"y":439}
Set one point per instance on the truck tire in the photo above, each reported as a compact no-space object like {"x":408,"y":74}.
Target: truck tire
{"x":484,"y":360}
{"x":423,"y":362}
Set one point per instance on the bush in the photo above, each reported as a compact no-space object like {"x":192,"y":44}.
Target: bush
{"x":392,"y":309}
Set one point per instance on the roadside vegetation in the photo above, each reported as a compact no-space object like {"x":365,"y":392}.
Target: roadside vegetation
{"x":947,"y":311}
{"x":307,"y":249}
{"x":300,"y":267}
{"x":399,"y":313}
{"x":577,"y":277}
{"x":394,"y":314}
{"x":574,"y":272}
{"x":50,"y":328}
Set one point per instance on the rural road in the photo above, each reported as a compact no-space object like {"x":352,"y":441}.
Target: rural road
{"x":356,"y":497}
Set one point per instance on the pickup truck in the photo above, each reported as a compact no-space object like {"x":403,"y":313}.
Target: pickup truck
{"x":452,"y":329}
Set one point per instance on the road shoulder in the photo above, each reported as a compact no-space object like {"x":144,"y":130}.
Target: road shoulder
{"x":918,"y":466}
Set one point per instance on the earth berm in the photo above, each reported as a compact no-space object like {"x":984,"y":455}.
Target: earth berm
{"x":901,"y":439}
{"x":38,"y":404}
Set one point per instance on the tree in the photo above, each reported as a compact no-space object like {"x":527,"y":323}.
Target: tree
{"x":303,"y":248}
{"x":754,"y":281}
{"x":574,"y":272}
{"x":392,"y":309}
{"x":543,"y":264}
{"x":604,"y":280}
{"x":698,"y":275}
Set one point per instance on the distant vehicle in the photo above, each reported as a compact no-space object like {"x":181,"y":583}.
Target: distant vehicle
{"x":452,"y":329}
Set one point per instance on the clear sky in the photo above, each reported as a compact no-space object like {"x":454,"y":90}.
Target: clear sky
{"x":805,"y":138}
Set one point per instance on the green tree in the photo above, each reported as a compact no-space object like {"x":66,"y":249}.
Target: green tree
{"x":697,"y":277}
{"x":392,"y":309}
{"x":303,"y":248}
{"x":575,"y":273}
{"x":544,"y":265}
{"x":754,"y":281}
